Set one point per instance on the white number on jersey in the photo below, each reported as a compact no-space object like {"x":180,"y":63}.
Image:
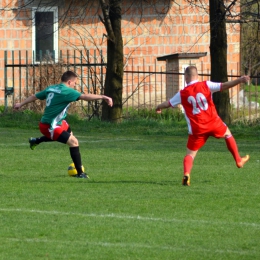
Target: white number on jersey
{"x":201,"y":101}
{"x":49,"y":98}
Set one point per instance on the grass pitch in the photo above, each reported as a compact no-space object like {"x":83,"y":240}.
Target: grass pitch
{"x":133,"y":206}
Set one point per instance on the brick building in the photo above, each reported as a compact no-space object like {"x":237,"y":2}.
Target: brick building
{"x":156,"y":36}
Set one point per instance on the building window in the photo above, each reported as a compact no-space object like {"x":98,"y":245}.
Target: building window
{"x":45,"y":33}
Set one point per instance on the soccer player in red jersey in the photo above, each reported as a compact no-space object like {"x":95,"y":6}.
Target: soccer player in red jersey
{"x":202,"y":118}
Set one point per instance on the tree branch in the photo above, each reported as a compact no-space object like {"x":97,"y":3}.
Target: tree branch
{"x":107,"y":22}
{"x":243,"y":21}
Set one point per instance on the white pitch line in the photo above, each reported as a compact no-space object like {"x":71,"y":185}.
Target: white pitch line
{"x":108,"y":140}
{"x":132,"y":245}
{"x":117,"y":216}
{"x":80,"y":141}
{"x":14,"y":145}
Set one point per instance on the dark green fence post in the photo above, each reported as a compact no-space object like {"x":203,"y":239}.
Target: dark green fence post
{"x":13,"y":72}
{"x":81,"y":72}
{"x":20,"y":77}
{"x":88,"y":78}
{"x":34,"y":89}
{"x":26,"y":75}
{"x":101,"y":76}
{"x":8,"y":90}
{"x":5,"y":75}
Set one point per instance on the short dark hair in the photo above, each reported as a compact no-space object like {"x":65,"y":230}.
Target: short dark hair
{"x":66,"y":76}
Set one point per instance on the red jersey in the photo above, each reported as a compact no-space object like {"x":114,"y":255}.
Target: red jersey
{"x":197,"y":102}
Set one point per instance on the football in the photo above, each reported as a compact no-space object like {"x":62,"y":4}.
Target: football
{"x":72,"y":170}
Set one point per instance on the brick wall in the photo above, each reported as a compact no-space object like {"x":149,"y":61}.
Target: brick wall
{"x":148,"y":33}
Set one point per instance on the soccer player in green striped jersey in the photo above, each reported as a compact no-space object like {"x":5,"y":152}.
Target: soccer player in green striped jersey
{"x":53,"y":125}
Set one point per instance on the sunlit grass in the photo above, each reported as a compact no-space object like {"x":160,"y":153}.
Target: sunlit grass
{"x":133,"y":206}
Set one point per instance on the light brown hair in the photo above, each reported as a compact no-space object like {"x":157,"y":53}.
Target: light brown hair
{"x":191,"y":71}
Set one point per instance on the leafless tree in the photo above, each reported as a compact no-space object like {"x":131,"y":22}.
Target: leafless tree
{"x":222,"y":12}
{"x":109,"y":12}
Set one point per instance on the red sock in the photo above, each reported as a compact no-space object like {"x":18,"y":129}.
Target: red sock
{"x":187,"y":164}
{"x":232,"y":147}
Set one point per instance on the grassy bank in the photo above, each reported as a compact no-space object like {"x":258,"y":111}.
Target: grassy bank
{"x":141,"y":124}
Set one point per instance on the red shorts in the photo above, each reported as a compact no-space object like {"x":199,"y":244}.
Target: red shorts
{"x":217,"y":130}
{"x":56,"y":132}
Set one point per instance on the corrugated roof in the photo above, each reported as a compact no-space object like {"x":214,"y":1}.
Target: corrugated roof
{"x":182,"y":56}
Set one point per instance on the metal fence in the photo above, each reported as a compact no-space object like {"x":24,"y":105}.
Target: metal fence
{"x":143,"y":87}
{"x":23,"y":76}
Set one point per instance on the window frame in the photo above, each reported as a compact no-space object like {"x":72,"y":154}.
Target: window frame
{"x":53,"y":9}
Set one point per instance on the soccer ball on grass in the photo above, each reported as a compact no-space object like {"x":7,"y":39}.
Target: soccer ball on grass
{"x":72,"y":170}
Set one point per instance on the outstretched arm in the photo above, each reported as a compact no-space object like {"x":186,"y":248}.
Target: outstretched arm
{"x":173,"y":102}
{"x":26,"y":101}
{"x":233,"y":83}
{"x":91,"y":97}
{"x":163,"y":105}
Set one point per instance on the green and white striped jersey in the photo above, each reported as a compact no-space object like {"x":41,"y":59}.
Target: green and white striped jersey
{"x":58,"y":98}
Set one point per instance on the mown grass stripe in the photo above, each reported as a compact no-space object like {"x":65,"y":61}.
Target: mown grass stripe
{"x":132,"y":245}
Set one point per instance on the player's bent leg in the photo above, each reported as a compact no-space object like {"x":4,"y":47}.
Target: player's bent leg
{"x":72,"y":141}
{"x":187,"y":166}
{"x":63,"y":135}
{"x":75,"y":156}
{"x":44,"y":129}
{"x":195,"y":142}
{"x":34,"y":141}
{"x":232,"y":147}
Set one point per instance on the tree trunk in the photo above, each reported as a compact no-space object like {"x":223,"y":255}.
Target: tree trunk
{"x":218,"y":54}
{"x":114,"y":74}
